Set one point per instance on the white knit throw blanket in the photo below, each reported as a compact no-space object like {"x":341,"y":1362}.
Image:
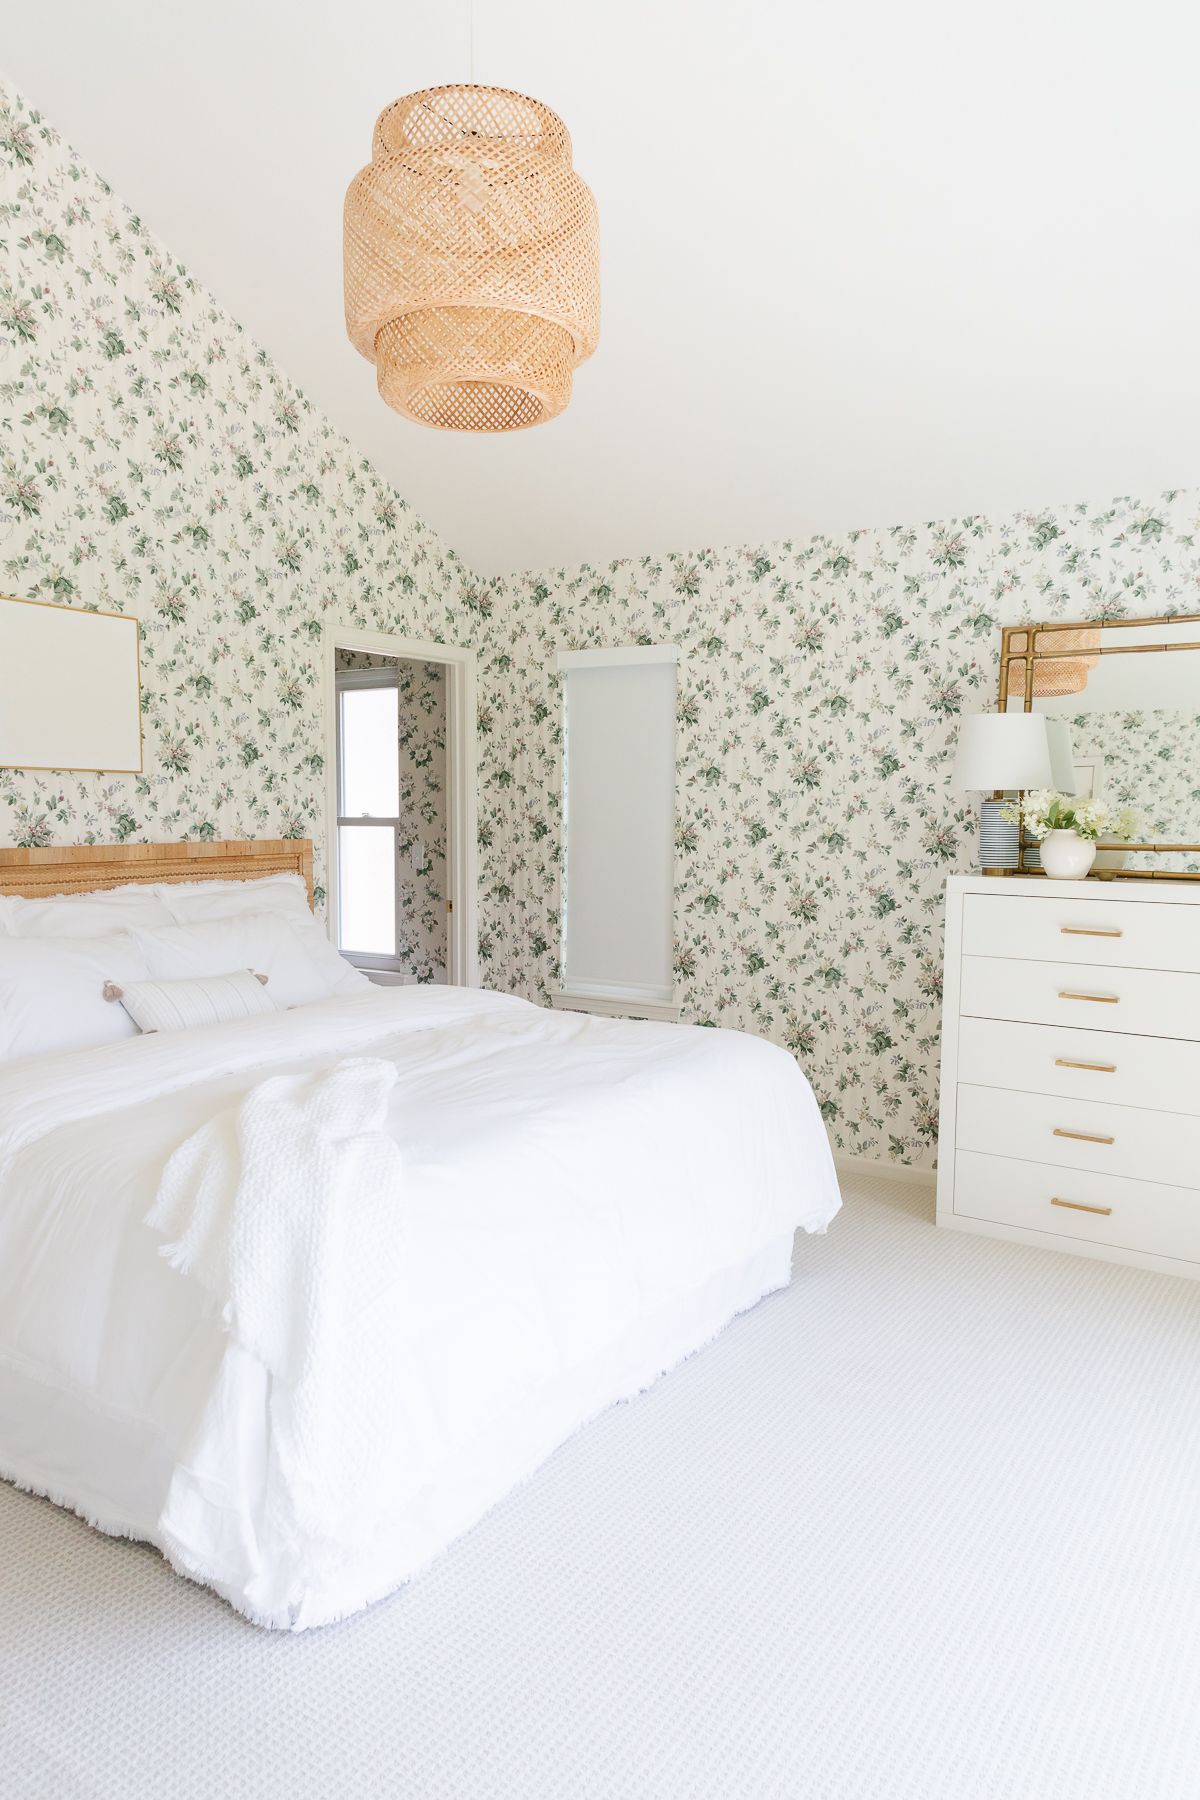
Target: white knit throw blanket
{"x":286,"y":1207}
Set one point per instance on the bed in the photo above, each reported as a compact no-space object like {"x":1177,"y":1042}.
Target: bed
{"x":296,"y":1297}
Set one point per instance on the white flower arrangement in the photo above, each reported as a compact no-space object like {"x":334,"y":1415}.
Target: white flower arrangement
{"x":1042,"y":811}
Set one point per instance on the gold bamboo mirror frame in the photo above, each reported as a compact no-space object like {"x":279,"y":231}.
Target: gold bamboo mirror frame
{"x":1134,"y":720}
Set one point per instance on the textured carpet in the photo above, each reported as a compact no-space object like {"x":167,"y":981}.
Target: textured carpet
{"x":928,"y":1524}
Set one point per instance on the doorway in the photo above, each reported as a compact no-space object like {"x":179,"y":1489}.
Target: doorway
{"x":400,"y":809}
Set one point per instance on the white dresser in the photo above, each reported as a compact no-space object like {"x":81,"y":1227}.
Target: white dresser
{"x":1070,"y":1107}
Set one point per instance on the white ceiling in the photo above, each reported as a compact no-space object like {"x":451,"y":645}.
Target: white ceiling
{"x":863,"y":263}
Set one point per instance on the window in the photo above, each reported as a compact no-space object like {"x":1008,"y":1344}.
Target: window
{"x":368,"y":846}
{"x":619,"y":829}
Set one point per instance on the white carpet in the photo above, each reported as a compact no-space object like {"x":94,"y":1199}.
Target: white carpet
{"x":926,"y":1525}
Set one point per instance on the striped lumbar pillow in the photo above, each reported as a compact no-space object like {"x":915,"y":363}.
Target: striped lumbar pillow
{"x":202,"y":1000}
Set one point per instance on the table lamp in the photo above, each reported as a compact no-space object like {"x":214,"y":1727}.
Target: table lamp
{"x":1001,"y":753}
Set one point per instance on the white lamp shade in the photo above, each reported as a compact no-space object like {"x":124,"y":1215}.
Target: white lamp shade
{"x":1002,"y":751}
{"x":1062,"y":757}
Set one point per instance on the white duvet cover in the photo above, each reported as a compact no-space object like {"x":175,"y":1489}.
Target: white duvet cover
{"x":577,"y":1203}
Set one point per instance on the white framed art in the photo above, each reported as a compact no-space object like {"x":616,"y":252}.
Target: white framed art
{"x":70,"y":688}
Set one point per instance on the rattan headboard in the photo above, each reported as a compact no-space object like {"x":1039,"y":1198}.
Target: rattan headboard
{"x":79,"y":868}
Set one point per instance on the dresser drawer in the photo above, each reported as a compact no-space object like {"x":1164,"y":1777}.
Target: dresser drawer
{"x":1121,"y":1070}
{"x":1151,"y":1002}
{"x":1109,"y":934}
{"x":1131,"y":1215}
{"x":1081,"y":1134}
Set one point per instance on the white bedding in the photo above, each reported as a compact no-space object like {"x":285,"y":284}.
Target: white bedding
{"x":580,"y":1203}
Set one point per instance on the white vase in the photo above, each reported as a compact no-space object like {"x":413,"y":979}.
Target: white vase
{"x":1066,"y":856}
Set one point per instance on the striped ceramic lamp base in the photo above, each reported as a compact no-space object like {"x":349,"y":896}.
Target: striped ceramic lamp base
{"x":999,"y":839}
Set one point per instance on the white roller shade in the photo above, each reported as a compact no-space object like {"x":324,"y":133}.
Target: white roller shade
{"x":620,"y":822}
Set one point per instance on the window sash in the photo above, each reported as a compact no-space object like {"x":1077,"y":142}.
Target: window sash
{"x":348,"y":681}
{"x":372,"y":959}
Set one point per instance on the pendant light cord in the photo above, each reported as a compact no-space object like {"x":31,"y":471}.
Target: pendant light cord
{"x":452,"y":124}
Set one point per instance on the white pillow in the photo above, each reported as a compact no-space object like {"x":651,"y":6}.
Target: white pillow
{"x":85,"y":915}
{"x":294,"y":954}
{"x":191,"y":902}
{"x":52,"y":992}
{"x":182,"y":1005}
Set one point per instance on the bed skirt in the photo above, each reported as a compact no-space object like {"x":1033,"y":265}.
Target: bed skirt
{"x":122,"y":1477}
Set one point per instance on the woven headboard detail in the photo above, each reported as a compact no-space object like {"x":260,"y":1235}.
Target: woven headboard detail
{"x":80,"y":868}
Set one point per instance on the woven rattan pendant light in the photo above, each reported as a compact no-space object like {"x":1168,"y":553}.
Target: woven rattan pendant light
{"x":472,"y":260}
{"x":1060,"y":674}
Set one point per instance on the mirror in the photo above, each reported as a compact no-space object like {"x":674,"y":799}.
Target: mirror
{"x":70,"y":694}
{"x":1129,"y":693}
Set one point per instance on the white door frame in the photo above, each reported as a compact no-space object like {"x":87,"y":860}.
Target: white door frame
{"x":462,"y":853}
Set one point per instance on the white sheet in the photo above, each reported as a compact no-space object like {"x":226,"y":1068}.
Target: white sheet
{"x":585,"y":1201}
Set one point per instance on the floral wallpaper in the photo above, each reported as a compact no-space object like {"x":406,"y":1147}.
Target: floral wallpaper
{"x":1149,"y":760}
{"x":422,"y":892}
{"x":153,"y":460}
{"x":820,"y":687}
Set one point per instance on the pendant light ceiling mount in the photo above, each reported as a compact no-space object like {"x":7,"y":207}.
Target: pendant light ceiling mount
{"x":472,"y":260}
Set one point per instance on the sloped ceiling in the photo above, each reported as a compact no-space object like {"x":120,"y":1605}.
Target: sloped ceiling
{"x":863,"y":264}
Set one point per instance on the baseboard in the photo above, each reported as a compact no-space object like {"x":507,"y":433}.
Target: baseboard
{"x":867,"y":1165}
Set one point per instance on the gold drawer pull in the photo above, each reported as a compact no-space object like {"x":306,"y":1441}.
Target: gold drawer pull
{"x":1064,"y":1062}
{"x":1087,"y":931}
{"x":1078,"y":1206}
{"x":1102,"y":999}
{"x":1084,"y":1137}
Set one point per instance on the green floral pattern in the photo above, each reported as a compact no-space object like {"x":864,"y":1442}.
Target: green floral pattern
{"x":821,"y":684}
{"x":154,"y":461}
{"x":1149,"y":760}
